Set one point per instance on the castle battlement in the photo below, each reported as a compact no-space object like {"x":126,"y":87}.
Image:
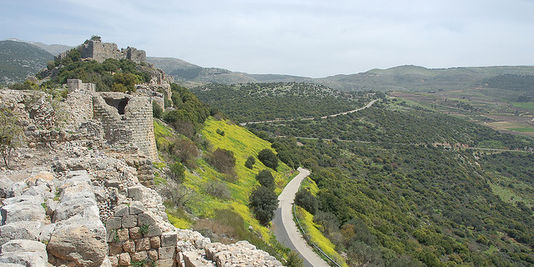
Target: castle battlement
{"x":97,"y":50}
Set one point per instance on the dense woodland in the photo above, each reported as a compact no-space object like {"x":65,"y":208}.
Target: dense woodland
{"x":394,"y":122}
{"x":268,"y":101}
{"x":389,"y":196}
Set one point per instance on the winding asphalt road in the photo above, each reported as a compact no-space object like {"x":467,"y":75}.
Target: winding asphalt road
{"x":285,"y":229}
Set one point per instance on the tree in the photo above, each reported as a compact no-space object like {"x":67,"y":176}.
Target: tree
{"x":177,"y":171}
{"x":223,"y":160}
{"x":293,"y":259}
{"x":250,"y":162}
{"x":157,"y":111}
{"x":124,"y":82}
{"x":265,"y":178}
{"x":11,"y":134}
{"x":268,"y":158}
{"x":186,"y":152}
{"x":263,"y":202}
{"x":306,"y":200}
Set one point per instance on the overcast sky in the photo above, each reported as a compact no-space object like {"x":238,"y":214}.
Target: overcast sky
{"x":310,"y":38}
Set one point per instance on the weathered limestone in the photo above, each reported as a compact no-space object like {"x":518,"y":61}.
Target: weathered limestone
{"x":79,"y":241}
{"x":24,"y":252}
{"x":79,"y":235}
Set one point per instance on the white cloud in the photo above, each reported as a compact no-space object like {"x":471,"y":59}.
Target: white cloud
{"x":311,"y":38}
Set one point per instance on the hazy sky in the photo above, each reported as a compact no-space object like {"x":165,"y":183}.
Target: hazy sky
{"x":310,"y":38}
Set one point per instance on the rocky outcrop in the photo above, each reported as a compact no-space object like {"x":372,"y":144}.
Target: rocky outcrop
{"x":77,"y":200}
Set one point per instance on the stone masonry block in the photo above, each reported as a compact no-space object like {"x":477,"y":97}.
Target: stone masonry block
{"x":129,"y":221}
{"x":121,"y":210}
{"x":165,"y":263}
{"x":135,"y":193}
{"x":168,"y":239}
{"x":139,"y":256}
{"x":129,"y":246}
{"x":135,"y":233}
{"x":123,"y":234}
{"x":166,"y":253}
{"x":136,"y":207}
{"x":155,"y":242}
{"x":124,"y":259}
{"x":115,"y":248}
{"x":142,"y":244}
{"x":153,"y":230}
{"x":145,"y":219}
{"x":113,"y":223}
{"x":153,"y":254}
{"x":114,"y":260}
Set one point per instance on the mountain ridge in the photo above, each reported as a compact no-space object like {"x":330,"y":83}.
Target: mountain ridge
{"x":403,"y":77}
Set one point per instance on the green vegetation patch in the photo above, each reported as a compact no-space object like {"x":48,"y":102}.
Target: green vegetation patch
{"x":522,"y":129}
{"x":243,"y":144}
{"x":316,"y":236}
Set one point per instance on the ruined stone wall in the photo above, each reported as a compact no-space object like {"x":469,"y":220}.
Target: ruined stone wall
{"x":99,"y":51}
{"x":134,"y":236}
{"x":134,"y":54}
{"x":79,"y":103}
{"x":128,"y":121}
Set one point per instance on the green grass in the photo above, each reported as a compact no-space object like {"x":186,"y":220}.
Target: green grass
{"x":512,"y":194}
{"x":163,"y":134}
{"x":524,"y":105}
{"x":244,"y":144}
{"x":310,"y":184}
{"x":178,"y":218}
{"x":522,"y":129}
{"x":312,"y":230}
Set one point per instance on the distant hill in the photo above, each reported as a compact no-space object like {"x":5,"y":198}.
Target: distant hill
{"x":186,"y":72}
{"x":403,"y":78}
{"x":420,"y":78}
{"x":19,"y":60}
{"x":54,"y":49}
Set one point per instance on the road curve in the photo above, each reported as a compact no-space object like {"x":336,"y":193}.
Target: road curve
{"x":285,"y":229}
{"x":311,"y":118}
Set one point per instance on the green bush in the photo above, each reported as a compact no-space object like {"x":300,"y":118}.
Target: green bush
{"x":223,"y":160}
{"x":268,"y":158}
{"x":185,"y":151}
{"x":263,"y":202}
{"x":218,"y":190}
{"x":177,"y":171}
{"x":306,"y":200}
{"x":250,"y":162}
{"x":157,"y":111}
{"x":265,"y":178}
{"x":293,"y":259}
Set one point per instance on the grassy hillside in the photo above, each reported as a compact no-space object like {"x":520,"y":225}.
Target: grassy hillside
{"x":19,"y":60}
{"x":224,"y":219}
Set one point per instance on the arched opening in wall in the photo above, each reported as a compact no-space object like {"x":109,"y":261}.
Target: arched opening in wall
{"x":120,"y":104}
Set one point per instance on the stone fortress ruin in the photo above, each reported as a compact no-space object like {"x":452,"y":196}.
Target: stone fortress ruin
{"x":95,"y":49}
{"x":126,"y":119}
{"x":80,"y":194}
